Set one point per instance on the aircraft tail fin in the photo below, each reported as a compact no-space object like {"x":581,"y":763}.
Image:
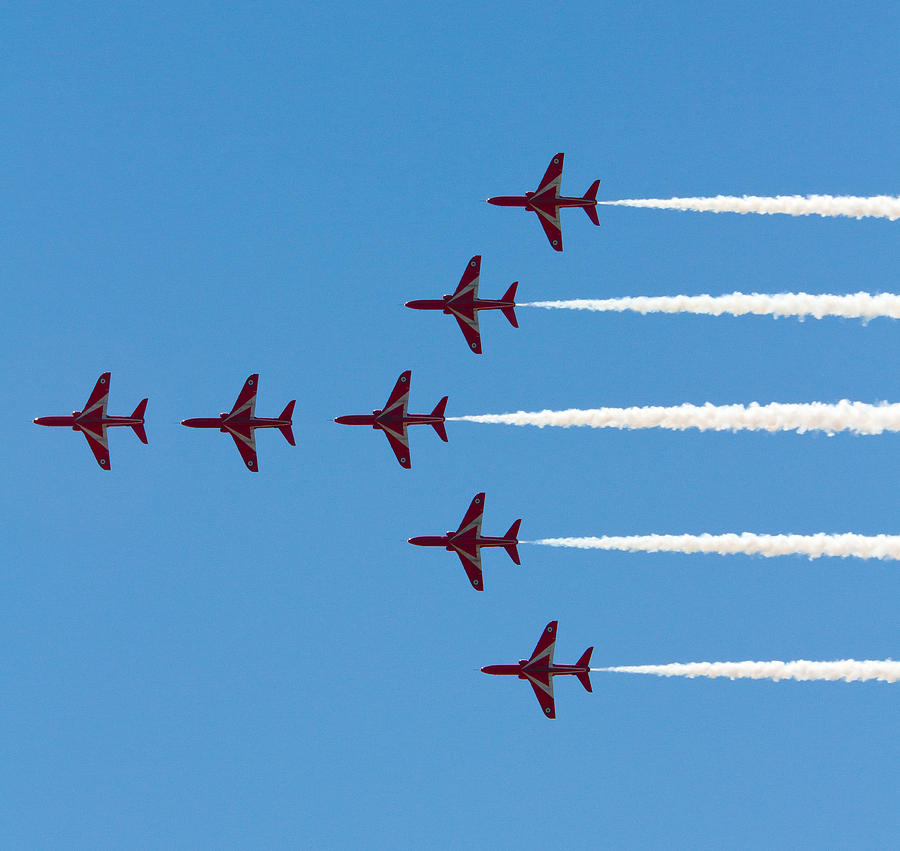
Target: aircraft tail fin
{"x":288,"y":414}
{"x":138,"y":414}
{"x":510,"y":312}
{"x":591,"y":195}
{"x":438,"y":411}
{"x":584,"y":677}
{"x":513,"y":532}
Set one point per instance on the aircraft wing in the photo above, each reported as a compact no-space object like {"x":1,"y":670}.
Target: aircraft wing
{"x":552,"y":177}
{"x":246,"y":400}
{"x":399,"y":398}
{"x":468,"y":324}
{"x":546,"y":644}
{"x":472,"y":518}
{"x":548,"y":216}
{"x":471,"y":562}
{"x":96,"y":438}
{"x":245,"y":441}
{"x":96,"y":403}
{"x":543,"y":691}
{"x":469,"y":279}
{"x":399,"y":442}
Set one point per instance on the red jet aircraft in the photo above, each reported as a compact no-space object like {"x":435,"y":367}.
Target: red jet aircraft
{"x":241,"y":422}
{"x":93,"y":421}
{"x":467,"y":541}
{"x":464,"y":304}
{"x":393,"y":419}
{"x":547,"y":202}
{"x":539,"y":670}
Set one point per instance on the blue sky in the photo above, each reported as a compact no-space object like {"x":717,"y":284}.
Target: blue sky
{"x":196,"y":656}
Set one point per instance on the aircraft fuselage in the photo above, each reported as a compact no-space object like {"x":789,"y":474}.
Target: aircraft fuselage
{"x":467,"y":541}
{"x":448,"y":302}
{"x":379,"y":420}
{"x":222,"y":420}
{"x":74,"y":422}
{"x":529,"y":201}
{"x":539,"y":669}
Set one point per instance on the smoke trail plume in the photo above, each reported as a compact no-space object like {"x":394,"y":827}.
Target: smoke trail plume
{"x":854,"y":306}
{"x":858,"y":417}
{"x":848,"y":670}
{"x":878,"y":206}
{"x":814,"y":546}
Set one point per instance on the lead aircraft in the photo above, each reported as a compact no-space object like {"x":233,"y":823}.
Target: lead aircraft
{"x":93,"y":421}
{"x":241,"y":422}
{"x":393,"y":419}
{"x":539,"y":670}
{"x":546,"y":202}
{"x":467,"y":541}
{"x":464,"y":304}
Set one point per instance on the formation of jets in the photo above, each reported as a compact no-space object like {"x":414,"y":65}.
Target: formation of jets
{"x":393,"y":419}
{"x":240,"y":423}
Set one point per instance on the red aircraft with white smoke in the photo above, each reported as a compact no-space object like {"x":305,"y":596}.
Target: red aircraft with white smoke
{"x":540,"y":670}
{"x":241,"y":422}
{"x":464,"y":304}
{"x":393,"y":419}
{"x":93,"y":421}
{"x":467,"y":541}
{"x":546,"y":202}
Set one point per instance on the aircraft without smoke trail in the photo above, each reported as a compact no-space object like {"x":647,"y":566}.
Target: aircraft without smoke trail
{"x":464,"y":304}
{"x":467,"y":541}
{"x":241,"y":422}
{"x":546,"y":202}
{"x":393,"y":419}
{"x":93,"y":421}
{"x":540,"y":669}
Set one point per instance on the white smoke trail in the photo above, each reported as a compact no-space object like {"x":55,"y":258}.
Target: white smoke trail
{"x":854,"y":306}
{"x":770,"y":546}
{"x":858,"y":417}
{"x":848,"y":670}
{"x":878,"y":206}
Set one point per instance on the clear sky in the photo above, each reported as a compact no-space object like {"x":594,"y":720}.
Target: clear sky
{"x":193,"y":655}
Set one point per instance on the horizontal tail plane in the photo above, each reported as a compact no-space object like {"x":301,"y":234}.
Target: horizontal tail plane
{"x":138,"y":414}
{"x":510,"y":312}
{"x":584,"y":677}
{"x":438,"y":411}
{"x":288,"y":414}
{"x":513,"y":532}
{"x":591,"y":195}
